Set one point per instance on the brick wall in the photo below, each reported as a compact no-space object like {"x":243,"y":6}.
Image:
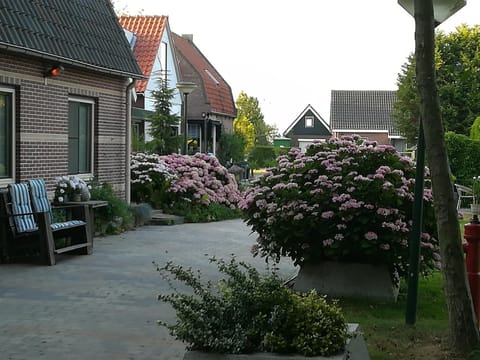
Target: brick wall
{"x":42,"y":119}
{"x":380,"y":138}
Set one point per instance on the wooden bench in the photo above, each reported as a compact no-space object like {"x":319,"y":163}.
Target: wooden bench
{"x":29,"y":219}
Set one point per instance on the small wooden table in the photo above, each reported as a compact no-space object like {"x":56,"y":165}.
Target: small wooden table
{"x":92,"y":204}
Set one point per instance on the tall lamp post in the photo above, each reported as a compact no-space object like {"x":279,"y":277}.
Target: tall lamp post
{"x":442,"y":10}
{"x":185,"y":89}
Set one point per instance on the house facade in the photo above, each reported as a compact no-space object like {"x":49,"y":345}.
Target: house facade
{"x":211,"y":107}
{"x":307,"y":128}
{"x":367,"y":113}
{"x":66,"y":70}
{"x":151,"y":40}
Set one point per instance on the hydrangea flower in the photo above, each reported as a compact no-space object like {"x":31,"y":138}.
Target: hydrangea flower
{"x":342,"y":200}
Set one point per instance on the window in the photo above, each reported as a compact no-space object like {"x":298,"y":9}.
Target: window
{"x":309,"y":121}
{"x":193,"y":138}
{"x":80,"y":136}
{"x":7,"y":142}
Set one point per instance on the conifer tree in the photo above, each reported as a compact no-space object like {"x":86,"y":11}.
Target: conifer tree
{"x":164,"y":124}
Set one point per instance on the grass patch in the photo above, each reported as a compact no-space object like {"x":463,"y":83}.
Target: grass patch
{"x":387,"y":335}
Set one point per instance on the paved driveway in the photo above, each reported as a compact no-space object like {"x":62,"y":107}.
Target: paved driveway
{"x":104,"y":306}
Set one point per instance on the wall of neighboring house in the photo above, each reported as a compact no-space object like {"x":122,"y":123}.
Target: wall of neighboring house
{"x":380,"y":137}
{"x":164,"y":62}
{"x":42,"y":120}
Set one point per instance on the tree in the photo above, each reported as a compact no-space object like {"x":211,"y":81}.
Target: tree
{"x":464,"y":336}
{"x":457,"y":62}
{"x":245,"y":129}
{"x":164,"y":124}
{"x":249,"y":108}
{"x":475,"y":129}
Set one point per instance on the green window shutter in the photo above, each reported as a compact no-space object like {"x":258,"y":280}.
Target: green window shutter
{"x":79,"y":137}
{"x":6,"y":135}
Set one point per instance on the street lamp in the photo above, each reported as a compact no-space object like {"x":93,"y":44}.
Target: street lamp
{"x":185,"y":88}
{"x":442,"y":10}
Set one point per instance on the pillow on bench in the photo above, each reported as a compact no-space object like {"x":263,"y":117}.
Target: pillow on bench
{"x":22,"y":208}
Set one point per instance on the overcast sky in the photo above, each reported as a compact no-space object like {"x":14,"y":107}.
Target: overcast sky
{"x":289,"y":54}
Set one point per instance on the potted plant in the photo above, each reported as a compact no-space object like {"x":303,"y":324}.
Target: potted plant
{"x":71,"y":188}
{"x":345,"y":201}
{"x":247,"y":312}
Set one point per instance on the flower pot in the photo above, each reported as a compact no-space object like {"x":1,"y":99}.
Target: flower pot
{"x":85,"y":194}
{"x":355,"y":349}
{"x":76,"y":197}
{"x":337,"y":279}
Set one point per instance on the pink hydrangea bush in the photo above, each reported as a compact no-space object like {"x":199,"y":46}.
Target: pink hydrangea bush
{"x":201,"y":180}
{"x":341,"y":201}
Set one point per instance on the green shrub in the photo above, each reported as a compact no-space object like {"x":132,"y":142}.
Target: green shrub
{"x":464,"y":157}
{"x":230,"y":148}
{"x":194,"y":213}
{"x":114,"y":218}
{"x":247,"y":311}
{"x":475,"y":129}
{"x":262,"y":156}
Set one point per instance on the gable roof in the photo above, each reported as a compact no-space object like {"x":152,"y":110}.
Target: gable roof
{"x":148,"y":31}
{"x":85,"y":33}
{"x":308,"y":109}
{"x":363,"y":110}
{"x":217,"y":91}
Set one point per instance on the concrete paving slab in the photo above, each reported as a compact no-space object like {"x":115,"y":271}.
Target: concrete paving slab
{"x":104,"y":306}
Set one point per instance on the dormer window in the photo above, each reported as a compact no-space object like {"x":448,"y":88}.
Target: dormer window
{"x":212,"y":77}
{"x":308,"y":121}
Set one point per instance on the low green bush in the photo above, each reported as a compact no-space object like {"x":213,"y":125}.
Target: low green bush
{"x":115,"y":218}
{"x":193,"y":213}
{"x":247,"y":311}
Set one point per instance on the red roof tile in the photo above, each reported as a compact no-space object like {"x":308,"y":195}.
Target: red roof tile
{"x":218,"y":92}
{"x":149,"y":32}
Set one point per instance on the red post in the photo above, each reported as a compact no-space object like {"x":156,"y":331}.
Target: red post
{"x":472,"y":249}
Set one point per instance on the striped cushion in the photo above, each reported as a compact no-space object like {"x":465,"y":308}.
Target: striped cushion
{"x":66,"y":224}
{"x":21,"y":205}
{"x":40,"y":202}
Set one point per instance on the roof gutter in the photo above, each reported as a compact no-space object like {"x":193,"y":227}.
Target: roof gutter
{"x":128,"y":137}
{"x":56,"y":58}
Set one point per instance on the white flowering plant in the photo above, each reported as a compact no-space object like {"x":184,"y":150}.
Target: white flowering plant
{"x":343,"y":200}
{"x":68,"y":186}
{"x":150,"y":178}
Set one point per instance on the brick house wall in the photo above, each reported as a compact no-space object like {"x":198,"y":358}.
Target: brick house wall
{"x":380,"y":137}
{"x":41,"y":119}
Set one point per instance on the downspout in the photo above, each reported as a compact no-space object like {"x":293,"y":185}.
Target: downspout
{"x":128,"y":138}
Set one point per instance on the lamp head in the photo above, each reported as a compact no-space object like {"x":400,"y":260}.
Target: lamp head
{"x":186,"y":87}
{"x":54,"y":71}
{"x":442,"y":9}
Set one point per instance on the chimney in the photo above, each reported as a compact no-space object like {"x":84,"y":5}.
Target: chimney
{"x":188,"y":37}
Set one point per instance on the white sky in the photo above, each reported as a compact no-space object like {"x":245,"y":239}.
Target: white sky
{"x":289,"y":54}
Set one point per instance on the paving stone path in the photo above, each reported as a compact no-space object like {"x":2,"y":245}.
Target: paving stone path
{"x":104,"y":306}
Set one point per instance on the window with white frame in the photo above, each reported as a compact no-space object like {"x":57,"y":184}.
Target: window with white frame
{"x":80,"y":136}
{"x":7,"y":135}
{"x":308,"y":121}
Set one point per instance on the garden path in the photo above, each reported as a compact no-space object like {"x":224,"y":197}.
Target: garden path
{"x":104,"y":306}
